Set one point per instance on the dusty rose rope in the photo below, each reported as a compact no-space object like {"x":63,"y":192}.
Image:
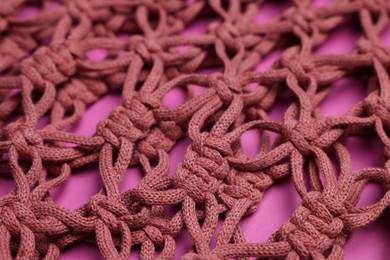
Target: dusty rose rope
{"x":46,"y":72}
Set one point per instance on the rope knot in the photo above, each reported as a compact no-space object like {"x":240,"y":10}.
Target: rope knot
{"x":120,"y":124}
{"x":137,"y":123}
{"x":300,"y":136}
{"x":9,"y":217}
{"x":13,"y":218}
{"x":83,"y":89}
{"x":376,"y":49}
{"x":54,"y":64}
{"x":227,"y":32}
{"x":204,"y":166}
{"x":299,"y":66}
{"x":301,"y":18}
{"x":145,"y":47}
{"x":110,"y":211}
{"x":155,"y":235}
{"x":110,"y":215}
{"x":324,"y":207}
{"x":226,"y":87}
{"x":161,"y":134}
{"x":133,"y":123}
{"x":375,"y":105}
{"x":22,"y":137}
{"x":315,"y":230}
{"x":242,"y":186}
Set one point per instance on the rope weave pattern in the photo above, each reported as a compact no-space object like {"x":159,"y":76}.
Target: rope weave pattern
{"x":46,"y":73}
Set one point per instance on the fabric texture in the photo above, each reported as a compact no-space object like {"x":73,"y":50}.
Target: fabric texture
{"x":46,"y":74}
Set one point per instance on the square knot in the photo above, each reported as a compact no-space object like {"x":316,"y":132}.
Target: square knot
{"x":54,"y":64}
{"x":226,"y":87}
{"x":315,"y":229}
{"x":148,"y":99}
{"x":301,"y":136}
{"x":162,"y":133}
{"x":211,"y":146}
{"x":17,"y":217}
{"x":12,"y":214}
{"x":302,"y":18}
{"x":18,"y":221}
{"x":376,"y":49}
{"x":297,"y":65}
{"x":82,"y":89}
{"x":161,"y":137}
{"x":227,"y":32}
{"x":155,"y":235}
{"x":145,"y":47}
{"x":324,"y":207}
{"x":132,"y":123}
{"x":376,"y":105}
{"x":140,"y":110}
{"x":22,"y":137}
{"x":109,"y":211}
{"x":244,"y":185}
{"x":204,"y":167}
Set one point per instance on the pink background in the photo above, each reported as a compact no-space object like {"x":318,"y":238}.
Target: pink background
{"x":280,"y":201}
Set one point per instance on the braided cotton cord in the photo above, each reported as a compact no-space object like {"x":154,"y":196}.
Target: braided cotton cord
{"x":46,"y":73}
